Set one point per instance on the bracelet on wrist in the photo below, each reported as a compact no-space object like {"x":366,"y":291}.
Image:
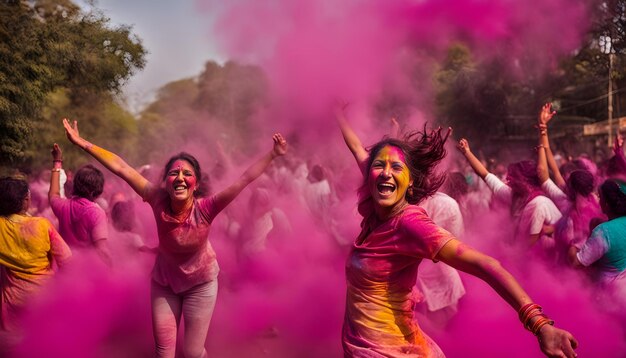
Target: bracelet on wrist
{"x":55,"y":170}
{"x":57,"y":161}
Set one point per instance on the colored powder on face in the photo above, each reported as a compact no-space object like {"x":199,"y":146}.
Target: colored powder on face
{"x":317,"y":51}
{"x":288,"y":300}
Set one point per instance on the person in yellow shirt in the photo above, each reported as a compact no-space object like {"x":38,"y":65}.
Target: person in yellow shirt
{"x":30,"y":250}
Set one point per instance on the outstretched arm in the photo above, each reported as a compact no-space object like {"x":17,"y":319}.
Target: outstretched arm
{"x":618,"y":150}
{"x":394,"y":132}
{"x":110,"y":160}
{"x":223,"y":198}
{"x":554,"y":342}
{"x":479,"y":168}
{"x":55,"y":177}
{"x":618,"y":145}
{"x":545,"y":115}
{"x":352,"y":140}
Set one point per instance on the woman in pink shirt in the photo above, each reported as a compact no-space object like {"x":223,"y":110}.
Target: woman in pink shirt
{"x":184,"y":278}
{"x":396,"y":235}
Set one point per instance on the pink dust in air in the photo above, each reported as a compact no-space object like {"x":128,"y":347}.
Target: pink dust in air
{"x":288,"y":299}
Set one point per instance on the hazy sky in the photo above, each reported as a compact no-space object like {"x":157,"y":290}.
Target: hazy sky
{"x":176,"y":36}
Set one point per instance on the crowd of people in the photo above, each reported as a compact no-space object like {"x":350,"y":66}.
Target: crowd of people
{"x":402,"y":271}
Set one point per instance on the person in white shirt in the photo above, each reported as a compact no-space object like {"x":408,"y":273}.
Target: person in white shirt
{"x":534,"y":214}
{"x":575,"y":197}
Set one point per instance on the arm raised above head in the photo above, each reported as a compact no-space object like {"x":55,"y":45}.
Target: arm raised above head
{"x":109,"y":159}
{"x":350,"y":137}
{"x":394,"y":131}
{"x":479,"y":168}
{"x":223,"y":198}
{"x":545,"y":157}
{"x":55,"y":177}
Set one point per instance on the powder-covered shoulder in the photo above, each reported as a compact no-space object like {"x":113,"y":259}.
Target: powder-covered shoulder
{"x":423,"y":235}
{"x":413,"y":218}
{"x":208,"y":208}
{"x":411,"y":211}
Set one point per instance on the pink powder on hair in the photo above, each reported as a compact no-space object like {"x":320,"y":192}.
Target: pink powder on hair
{"x":288,"y":301}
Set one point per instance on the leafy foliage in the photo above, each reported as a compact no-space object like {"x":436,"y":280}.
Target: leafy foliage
{"x":51,"y":44}
{"x":482,"y":100}
{"x":219,"y":105}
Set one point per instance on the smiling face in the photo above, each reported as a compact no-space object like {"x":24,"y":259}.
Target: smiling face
{"x":389,"y":178}
{"x":181,"y":181}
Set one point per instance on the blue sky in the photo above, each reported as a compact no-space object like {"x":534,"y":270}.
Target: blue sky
{"x":176,"y":35}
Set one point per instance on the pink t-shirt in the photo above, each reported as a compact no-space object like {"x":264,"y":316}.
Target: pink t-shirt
{"x":381,"y":271}
{"x":81,"y":222}
{"x":185,"y":258}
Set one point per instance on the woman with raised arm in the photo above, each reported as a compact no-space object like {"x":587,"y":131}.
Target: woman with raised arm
{"x":184,"y":278}
{"x":396,"y":235}
{"x":534,"y":214}
{"x":616,"y":165}
{"x":577,"y":201}
{"x":82,"y":222}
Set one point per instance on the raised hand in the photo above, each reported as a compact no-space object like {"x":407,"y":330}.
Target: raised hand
{"x":395,"y":127}
{"x":280,"y":145}
{"x":463,"y":146}
{"x":71,"y":131}
{"x":546,"y":114}
{"x":618,"y":144}
{"x":57,"y":154}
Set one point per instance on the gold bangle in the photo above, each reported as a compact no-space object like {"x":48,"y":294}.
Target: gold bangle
{"x":55,"y":170}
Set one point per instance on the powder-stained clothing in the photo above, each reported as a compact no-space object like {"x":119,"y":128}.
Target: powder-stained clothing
{"x":441,"y":284}
{"x":381,"y":271}
{"x":28,"y":247}
{"x":534,"y":215}
{"x":606,"y":250}
{"x":573,"y":228}
{"x":185,"y":257}
{"x":81,"y":222}
{"x":558,"y":196}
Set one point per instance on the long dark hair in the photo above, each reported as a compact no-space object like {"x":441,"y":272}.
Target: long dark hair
{"x":612,"y":192}
{"x":203,"y":182}
{"x":524,"y":182}
{"x":422,"y":151}
{"x":13,"y":191}
{"x":580,"y":182}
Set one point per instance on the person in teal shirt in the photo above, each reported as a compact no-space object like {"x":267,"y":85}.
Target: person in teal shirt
{"x":605,"y":250}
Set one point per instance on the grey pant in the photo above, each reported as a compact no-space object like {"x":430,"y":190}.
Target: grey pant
{"x":196,"y":307}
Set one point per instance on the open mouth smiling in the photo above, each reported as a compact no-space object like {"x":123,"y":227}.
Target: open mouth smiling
{"x":385,"y":189}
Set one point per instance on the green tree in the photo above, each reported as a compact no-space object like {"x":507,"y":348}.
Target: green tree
{"x":468,"y":92}
{"x":583,"y":90}
{"x":232,"y":92}
{"x":47,"y":45}
{"x":483,"y":100}
{"x":219,"y":104}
